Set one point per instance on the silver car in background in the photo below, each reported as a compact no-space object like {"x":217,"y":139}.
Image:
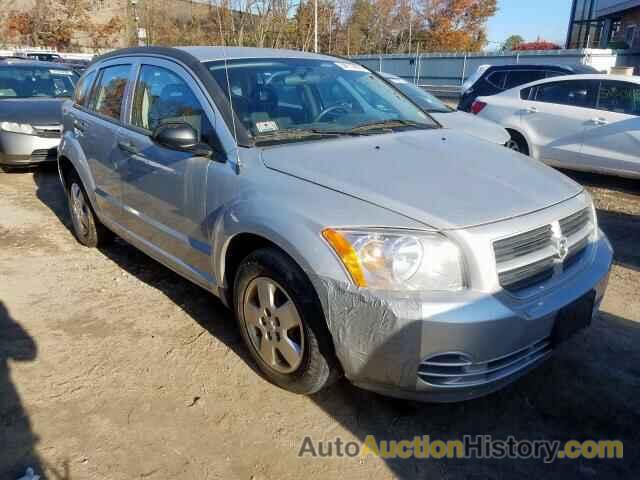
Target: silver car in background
{"x":447,"y":116}
{"x":31,"y":97}
{"x":350,"y":237}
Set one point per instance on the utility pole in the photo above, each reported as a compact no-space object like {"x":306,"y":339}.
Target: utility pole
{"x":315,"y":26}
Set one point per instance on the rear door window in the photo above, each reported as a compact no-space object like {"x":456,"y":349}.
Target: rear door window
{"x":520,"y":77}
{"x":110,"y":90}
{"x":619,"y":97}
{"x":575,"y":93}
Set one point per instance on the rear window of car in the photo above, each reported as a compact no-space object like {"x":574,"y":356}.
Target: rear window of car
{"x":520,"y":77}
{"x":110,"y":89}
{"x":497,"y":79}
{"x":83,"y":89}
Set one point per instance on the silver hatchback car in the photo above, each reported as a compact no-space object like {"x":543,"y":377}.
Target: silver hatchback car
{"x":349,"y":232}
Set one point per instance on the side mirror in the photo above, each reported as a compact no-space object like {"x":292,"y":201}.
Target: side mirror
{"x":182,"y":137}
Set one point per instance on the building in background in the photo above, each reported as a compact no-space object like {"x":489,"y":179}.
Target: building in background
{"x":604,"y":24}
{"x":585,"y":28}
{"x":621,"y":22}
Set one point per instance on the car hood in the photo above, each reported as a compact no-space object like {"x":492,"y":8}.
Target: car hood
{"x":444,"y":179}
{"x":36,"y":111}
{"x":473,"y":125}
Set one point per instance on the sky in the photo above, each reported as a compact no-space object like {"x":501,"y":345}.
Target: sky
{"x":529,"y":19}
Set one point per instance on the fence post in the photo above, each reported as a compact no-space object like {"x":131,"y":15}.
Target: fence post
{"x":379,"y":63}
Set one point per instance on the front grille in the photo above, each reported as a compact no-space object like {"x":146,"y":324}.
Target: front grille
{"x":575,"y":223}
{"x":48,"y":131}
{"x":531,"y":258}
{"x":456,"y":370}
{"x":44,"y":155}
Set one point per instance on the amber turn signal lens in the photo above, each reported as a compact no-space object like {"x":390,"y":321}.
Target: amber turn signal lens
{"x":347,"y":254}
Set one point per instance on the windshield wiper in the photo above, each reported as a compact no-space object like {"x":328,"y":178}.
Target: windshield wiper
{"x":293,"y":135}
{"x":387,"y":124}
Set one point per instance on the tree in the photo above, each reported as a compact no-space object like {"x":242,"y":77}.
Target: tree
{"x":455,"y":25}
{"x":512,"y":42}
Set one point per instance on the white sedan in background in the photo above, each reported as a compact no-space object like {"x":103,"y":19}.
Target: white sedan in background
{"x":448,"y":117}
{"x":579,"y":122}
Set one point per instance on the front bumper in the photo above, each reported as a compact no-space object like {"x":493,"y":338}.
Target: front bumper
{"x":17,"y":149}
{"x":381,"y":339}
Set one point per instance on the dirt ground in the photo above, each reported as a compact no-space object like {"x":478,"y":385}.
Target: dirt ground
{"x":113,"y":367}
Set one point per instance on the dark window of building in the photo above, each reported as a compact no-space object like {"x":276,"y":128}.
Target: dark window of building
{"x":585,"y":30}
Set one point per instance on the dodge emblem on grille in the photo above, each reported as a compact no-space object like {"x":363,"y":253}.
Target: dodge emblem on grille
{"x":562,"y":246}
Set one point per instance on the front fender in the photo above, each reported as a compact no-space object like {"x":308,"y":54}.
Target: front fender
{"x":296,"y":234}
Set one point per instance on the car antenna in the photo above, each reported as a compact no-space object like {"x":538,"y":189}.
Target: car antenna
{"x":233,"y":113}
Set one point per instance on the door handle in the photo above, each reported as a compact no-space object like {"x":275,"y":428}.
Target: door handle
{"x":600,"y":121}
{"x":79,"y":125}
{"x":532,"y":109}
{"x":128,"y":147}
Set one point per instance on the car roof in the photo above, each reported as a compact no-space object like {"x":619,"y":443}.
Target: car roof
{"x":208,"y":54}
{"x":32,"y":63}
{"x":592,"y":76}
{"x":525,"y":66}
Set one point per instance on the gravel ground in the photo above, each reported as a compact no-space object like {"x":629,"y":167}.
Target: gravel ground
{"x":113,"y":367}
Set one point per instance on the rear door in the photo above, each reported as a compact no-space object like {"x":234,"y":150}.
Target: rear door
{"x":98,"y":126}
{"x":554,"y":117}
{"x":612,"y":139}
{"x":164,"y":192}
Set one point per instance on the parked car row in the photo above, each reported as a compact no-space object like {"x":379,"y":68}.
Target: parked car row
{"x":349,"y":232}
{"x":580,"y":122}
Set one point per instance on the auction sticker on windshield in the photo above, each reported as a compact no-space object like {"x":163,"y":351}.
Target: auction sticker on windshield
{"x":268,"y":126}
{"x":352,"y":67}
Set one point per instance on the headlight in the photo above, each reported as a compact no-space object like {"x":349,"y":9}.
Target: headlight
{"x":14,"y":127}
{"x":388,"y":260}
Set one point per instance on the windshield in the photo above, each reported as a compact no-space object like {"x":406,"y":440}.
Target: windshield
{"x":424,"y":99}
{"x":28,"y":81}
{"x":290,"y":98}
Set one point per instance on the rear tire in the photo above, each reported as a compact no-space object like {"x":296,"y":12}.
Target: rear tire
{"x":86,"y":227}
{"x":282,"y":323}
{"x":517,"y":143}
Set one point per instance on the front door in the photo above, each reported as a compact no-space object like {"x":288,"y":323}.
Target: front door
{"x":165,"y":190}
{"x":555,"y":116}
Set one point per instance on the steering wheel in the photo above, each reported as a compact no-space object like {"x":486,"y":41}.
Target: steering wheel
{"x":345,"y":107}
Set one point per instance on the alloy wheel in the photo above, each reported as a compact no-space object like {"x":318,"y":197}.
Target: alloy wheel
{"x":79,"y":210}
{"x":274,"y":325}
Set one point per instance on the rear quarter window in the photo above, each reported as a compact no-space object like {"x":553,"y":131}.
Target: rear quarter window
{"x":83,"y":89}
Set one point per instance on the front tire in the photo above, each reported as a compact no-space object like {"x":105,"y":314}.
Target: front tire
{"x":86,"y":227}
{"x":282,"y":323}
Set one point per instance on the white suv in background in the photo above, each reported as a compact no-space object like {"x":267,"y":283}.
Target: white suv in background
{"x":580,"y":122}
